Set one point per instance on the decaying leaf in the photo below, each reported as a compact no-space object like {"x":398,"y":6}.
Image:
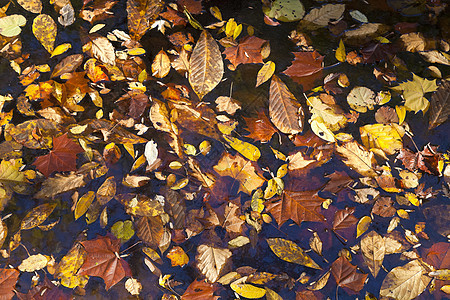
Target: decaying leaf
{"x":44,"y":29}
{"x":289,"y":251}
{"x":440,"y":106}
{"x":211,"y":261}
{"x":140,"y":13}
{"x":373,"y":250}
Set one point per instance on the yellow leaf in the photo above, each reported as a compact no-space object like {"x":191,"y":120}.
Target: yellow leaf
{"x":34,"y":6}
{"x":265,"y":73}
{"x":363,"y":225}
{"x":290,"y":252}
{"x":401,"y":113}
{"x":357,"y":157}
{"x":412,"y":198}
{"x":83,"y":204}
{"x":414,"y":91}
{"x":340,"y":52}
{"x":177,"y":256}
{"x":271,"y":189}
{"x":161,"y":65}
{"x":180,"y":184}
{"x":34,"y":263}
{"x":37,"y":215}
{"x":230,"y":27}
{"x":382,"y":136}
{"x":106,"y":191}
{"x":96,"y":27}
{"x":403,"y":214}
{"x":215,"y":11}
{"x":136,"y":51}
{"x":247,"y":150}
{"x":61,"y":49}
{"x":248,"y":290}
{"x":237,"y":31}
{"x":69,"y":265}
{"x":44,"y":29}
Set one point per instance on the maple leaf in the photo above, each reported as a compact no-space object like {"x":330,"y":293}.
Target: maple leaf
{"x":200,"y":290}
{"x":413,"y":92}
{"x":346,"y":276}
{"x":8,"y":279}
{"x":227,"y":217}
{"x":241,"y":170}
{"x":103,"y":260}
{"x":305,"y":64}
{"x":261,"y":129}
{"x":61,"y":158}
{"x":248,"y":51}
{"x":426,"y":160}
{"x":297,"y":206}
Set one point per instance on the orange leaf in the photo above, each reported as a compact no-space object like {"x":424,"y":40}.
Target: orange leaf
{"x":248,"y":51}
{"x":346,"y":276}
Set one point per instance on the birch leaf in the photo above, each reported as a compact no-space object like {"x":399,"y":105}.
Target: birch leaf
{"x":284,"y":110}
{"x":206,"y":65}
{"x":44,"y":29}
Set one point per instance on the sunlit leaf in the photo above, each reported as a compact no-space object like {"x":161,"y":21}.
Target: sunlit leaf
{"x":289,"y":251}
{"x":211,"y":261}
{"x":373,"y":250}
{"x":10,"y":25}
{"x":44,"y":29}
{"x":247,"y":290}
{"x":83,"y":204}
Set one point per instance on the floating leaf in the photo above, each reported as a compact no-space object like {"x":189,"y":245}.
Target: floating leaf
{"x":358,"y":158}
{"x":206,"y":65}
{"x":346,"y":276}
{"x":319,"y":17}
{"x":305,"y":63}
{"x":248,"y":51}
{"x":265,"y":73}
{"x":361,"y":99}
{"x":363,"y":225}
{"x":248,"y":290}
{"x":284,"y":110}
{"x":83,"y":204}
{"x":405,"y":282}
{"x":290,"y":252}
{"x":211,"y":261}
{"x":373,"y":250}
{"x":382,"y":136}
{"x":247,"y":150}
{"x":8,"y":279}
{"x":10,"y":25}
{"x":44,"y":29}
{"x":33,"y":6}
{"x":140,"y":13}
{"x":67,"y":65}
{"x":161,"y":65}
{"x":340,"y":52}
{"x":123,"y":230}
{"x":69,"y":265}
{"x":33,"y":263}
{"x":285,"y":10}
{"x":37,"y":215}
{"x":102,"y":49}
{"x":414,"y":91}
{"x":440,"y":105}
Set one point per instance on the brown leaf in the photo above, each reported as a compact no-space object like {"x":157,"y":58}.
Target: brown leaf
{"x":438,"y":255}
{"x":140,"y":13}
{"x":260,"y":128}
{"x":344,"y":218}
{"x":61,"y":158}
{"x":248,"y":51}
{"x":67,"y":65}
{"x":440,"y":105}
{"x":99,"y":10}
{"x":150,"y":230}
{"x":103,"y":260}
{"x":241,"y":170}
{"x":8,"y":279}
{"x":373,"y":251}
{"x":346,"y":276}
{"x":383,"y":207}
{"x":161,"y":65}
{"x":284,"y":110}
{"x":193,"y":6}
{"x":200,"y":290}
{"x":305,"y":64}
{"x":297,"y":206}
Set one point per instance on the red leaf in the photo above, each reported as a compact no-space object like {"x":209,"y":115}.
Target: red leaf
{"x":193,"y":6}
{"x":297,"y":206}
{"x":261,"y":129}
{"x":45,"y":290}
{"x":305,"y":64}
{"x":345,"y":274}
{"x":425,"y":160}
{"x":8,"y":279}
{"x":439,"y":256}
{"x":343,"y":218}
{"x":200,"y":290}
{"x":248,"y":51}
{"x":103,"y":260}
{"x":62,"y":158}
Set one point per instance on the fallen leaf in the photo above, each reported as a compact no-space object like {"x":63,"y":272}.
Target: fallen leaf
{"x":177,"y":257}
{"x":414,"y":91}
{"x":8,"y":279}
{"x":37,"y":216}
{"x":373,"y":251}
{"x":305,"y":64}
{"x":284,"y":110}
{"x":297,"y":206}
{"x":33,"y":6}
{"x":291,"y":252}
{"x":248,"y":290}
{"x":206,"y":65}
{"x":211,"y":261}
{"x":10,"y":25}
{"x":161,"y":65}
{"x":260,"y":128}
{"x":319,"y":17}
{"x":248,"y":51}
{"x":33,"y":263}
{"x":346,"y":276}
{"x":361,"y":99}
{"x":200,"y":290}
{"x":405,"y":282}
{"x":44,"y":29}
{"x":133,"y":286}
{"x":440,"y":106}
{"x":140,"y":13}
{"x":358,"y":158}
{"x":285,"y":10}
{"x":265,"y":73}
{"x":103,"y":260}
{"x":67,"y":268}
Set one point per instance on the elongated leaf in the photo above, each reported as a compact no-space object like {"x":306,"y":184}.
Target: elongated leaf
{"x":405,"y":282}
{"x":284,"y":110}
{"x":319,"y":17}
{"x":206,"y":65}
{"x":36,"y":216}
{"x":44,"y":29}
{"x":67,"y":65}
{"x":290,"y":252}
{"x":373,"y":250}
{"x":103,"y":50}
{"x":83,"y":204}
{"x":265,"y":73}
{"x":440,"y":105}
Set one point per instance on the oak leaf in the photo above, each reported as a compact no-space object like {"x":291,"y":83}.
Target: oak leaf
{"x":103,"y":260}
{"x":248,"y":51}
{"x":346,"y":276}
{"x":61,"y":158}
{"x":297,"y":206}
{"x":240,"y":170}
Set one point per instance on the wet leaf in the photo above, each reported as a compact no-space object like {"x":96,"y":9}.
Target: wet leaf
{"x":285,"y":10}
{"x":247,"y":150}
{"x":357,"y":158}
{"x":346,"y":276}
{"x":319,"y":17}
{"x":133,"y":286}
{"x":161,"y":65}
{"x":361,"y":99}
{"x":10,"y":25}
{"x":201,"y":290}
{"x":8,"y":279}
{"x":44,"y":29}
{"x":373,"y":251}
{"x":211,"y":261}
{"x":284,"y":110}
{"x":290,"y":252}
{"x":139,"y":13}
{"x":206,"y":65}
{"x":248,"y":51}
{"x":37,"y":216}
{"x":67,"y":65}
{"x":405,"y":282}
{"x":260,"y":128}
{"x":69,"y":265}
{"x":177,"y":256}
{"x":305,"y":64}
{"x":106,"y":191}
{"x":247,"y":290}
{"x":103,"y":260}
{"x":33,"y":263}
{"x":83,"y":204}
{"x":382,"y":136}
{"x":414,"y":91}
{"x":123,"y":230}
{"x":33,"y":6}
{"x":440,"y":107}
